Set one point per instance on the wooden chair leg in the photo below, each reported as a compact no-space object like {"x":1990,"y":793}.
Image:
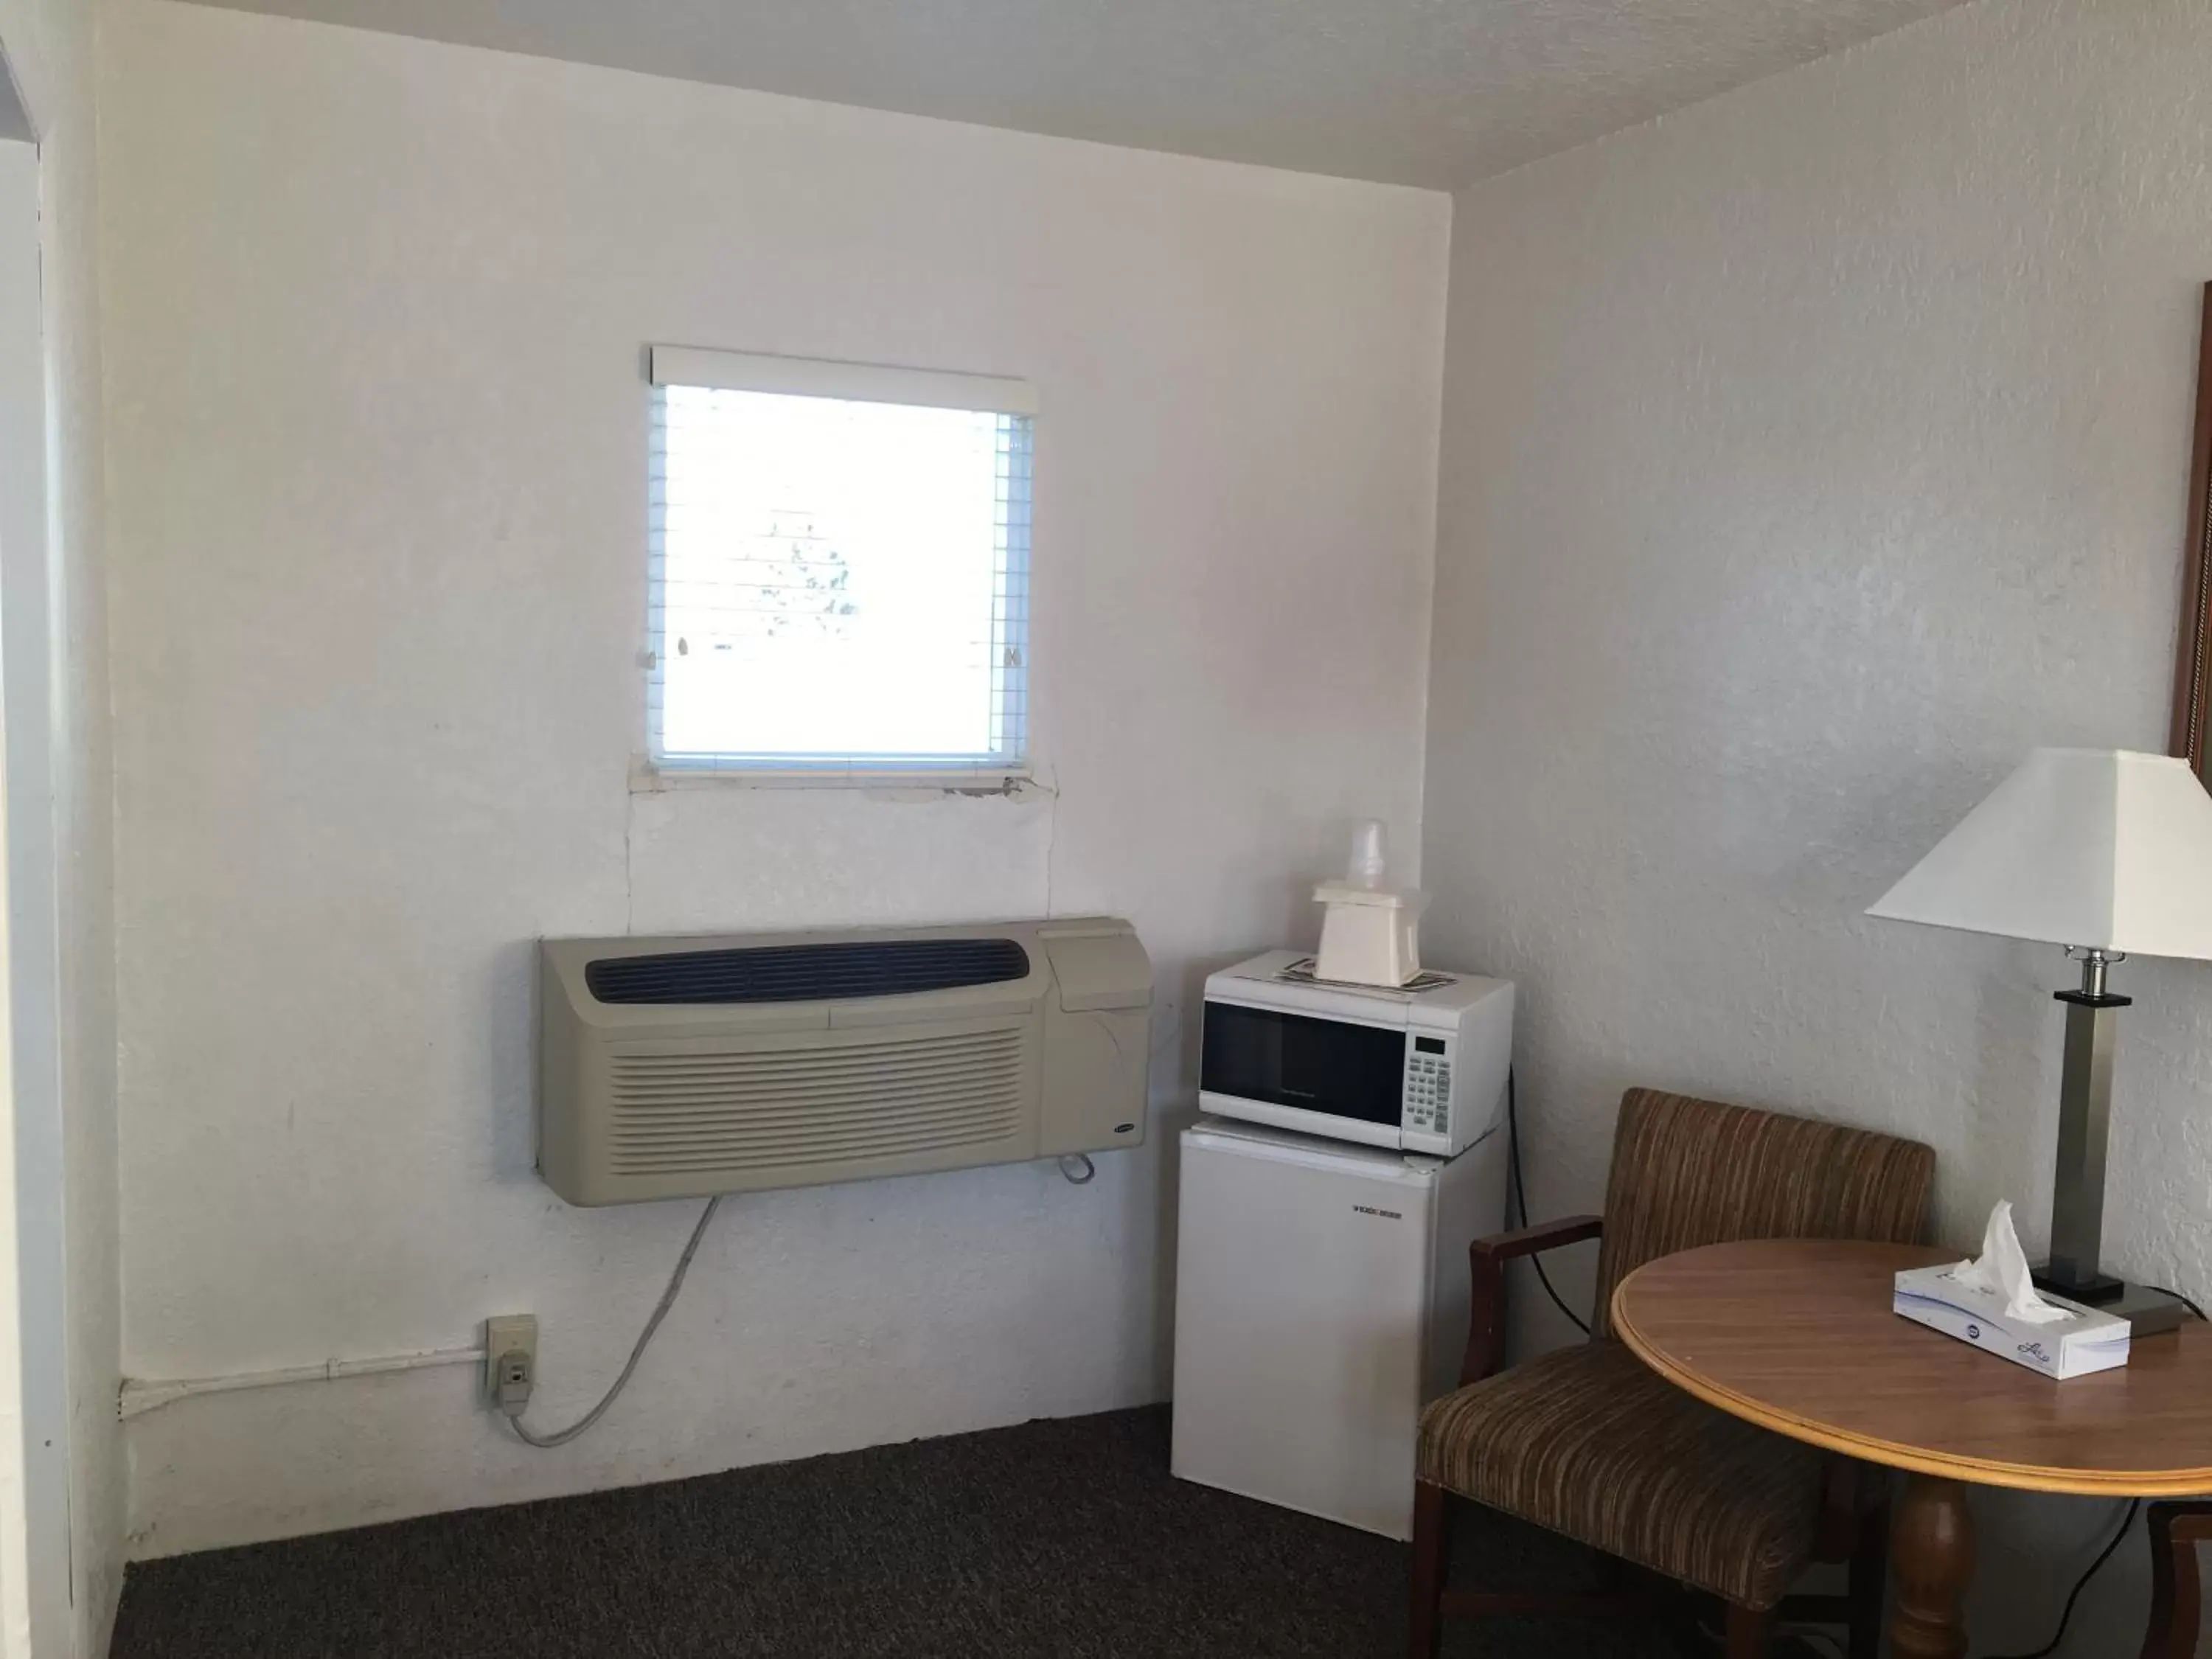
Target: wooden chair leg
{"x":1870,"y":1569}
{"x":1431,"y":1549}
{"x":1748,"y":1632}
{"x":2175,"y":1605}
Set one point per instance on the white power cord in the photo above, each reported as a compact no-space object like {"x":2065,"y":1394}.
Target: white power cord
{"x":514,"y":1400}
{"x":515,"y":1406}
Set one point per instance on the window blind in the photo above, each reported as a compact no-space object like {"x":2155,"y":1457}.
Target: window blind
{"x":839,"y":569}
{"x":813,"y":377}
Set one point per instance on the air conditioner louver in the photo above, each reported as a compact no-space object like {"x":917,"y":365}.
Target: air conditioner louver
{"x":671,"y":1067}
{"x":744,"y":1112}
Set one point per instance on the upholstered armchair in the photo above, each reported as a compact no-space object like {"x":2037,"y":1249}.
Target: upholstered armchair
{"x":1588,"y":1442}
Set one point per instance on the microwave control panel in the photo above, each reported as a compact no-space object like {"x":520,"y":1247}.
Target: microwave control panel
{"x":1428,"y":1084}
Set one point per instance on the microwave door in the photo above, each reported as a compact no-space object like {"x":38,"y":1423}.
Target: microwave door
{"x":1328,"y":1066}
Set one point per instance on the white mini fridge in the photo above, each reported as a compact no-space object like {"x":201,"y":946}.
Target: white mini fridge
{"x":1321,"y":1302}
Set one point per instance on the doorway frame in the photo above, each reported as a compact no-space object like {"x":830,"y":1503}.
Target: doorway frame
{"x":38,"y":1570}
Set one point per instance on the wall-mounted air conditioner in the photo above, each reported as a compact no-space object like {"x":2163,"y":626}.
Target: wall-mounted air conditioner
{"x":677,"y":1067}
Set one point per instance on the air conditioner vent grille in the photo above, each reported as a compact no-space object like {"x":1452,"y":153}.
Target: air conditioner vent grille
{"x":702,"y":1114}
{"x":807,"y":973}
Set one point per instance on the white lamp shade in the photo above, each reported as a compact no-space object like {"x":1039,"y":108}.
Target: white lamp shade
{"x":2103,"y":848}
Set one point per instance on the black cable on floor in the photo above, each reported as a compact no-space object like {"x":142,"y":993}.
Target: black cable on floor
{"x":2080,"y":1585}
{"x":1521,"y":1198}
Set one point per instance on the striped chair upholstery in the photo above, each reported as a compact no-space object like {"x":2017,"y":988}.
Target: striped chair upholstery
{"x":1588,"y":1442}
{"x":1592,"y":1442}
{"x":1687,"y":1172}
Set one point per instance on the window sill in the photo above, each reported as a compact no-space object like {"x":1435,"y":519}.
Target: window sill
{"x":1011,"y":783}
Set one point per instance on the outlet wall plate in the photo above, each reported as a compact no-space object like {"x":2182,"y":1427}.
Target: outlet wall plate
{"x":503,"y":1334}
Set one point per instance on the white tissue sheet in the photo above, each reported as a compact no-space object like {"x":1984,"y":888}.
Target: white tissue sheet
{"x":2002,"y":1268}
{"x":1991,"y":1302}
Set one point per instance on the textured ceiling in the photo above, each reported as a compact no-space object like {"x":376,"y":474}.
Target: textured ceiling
{"x":1419,"y":92}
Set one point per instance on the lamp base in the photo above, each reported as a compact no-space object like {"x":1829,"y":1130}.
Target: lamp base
{"x":2148,"y":1311}
{"x":2096,"y":1289}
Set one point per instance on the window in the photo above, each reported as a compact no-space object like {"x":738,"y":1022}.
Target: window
{"x":838,"y":569}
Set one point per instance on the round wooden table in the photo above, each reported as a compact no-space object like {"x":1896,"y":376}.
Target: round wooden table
{"x":1797,"y":1336}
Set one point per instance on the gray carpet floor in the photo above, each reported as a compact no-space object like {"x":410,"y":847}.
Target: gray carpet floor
{"x":1061,"y":1538}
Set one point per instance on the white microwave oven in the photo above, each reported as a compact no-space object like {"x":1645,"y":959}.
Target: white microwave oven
{"x":1421,"y":1069}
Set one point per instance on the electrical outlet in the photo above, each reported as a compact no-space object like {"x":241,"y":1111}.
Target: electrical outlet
{"x":506,"y":1336}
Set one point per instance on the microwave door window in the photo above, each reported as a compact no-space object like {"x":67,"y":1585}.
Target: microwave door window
{"x":1289,"y":1060}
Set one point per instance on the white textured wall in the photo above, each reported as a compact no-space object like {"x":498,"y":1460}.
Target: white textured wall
{"x":49,"y":49}
{"x":1809,"y":456}
{"x":377,"y":458}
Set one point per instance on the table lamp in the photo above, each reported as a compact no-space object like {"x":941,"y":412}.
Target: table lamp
{"x":2109,"y":853}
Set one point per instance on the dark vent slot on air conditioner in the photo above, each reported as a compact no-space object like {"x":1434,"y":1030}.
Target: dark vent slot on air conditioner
{"x":807,"y":973}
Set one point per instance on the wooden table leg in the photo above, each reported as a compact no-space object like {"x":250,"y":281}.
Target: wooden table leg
{"x":1932,"y":1557}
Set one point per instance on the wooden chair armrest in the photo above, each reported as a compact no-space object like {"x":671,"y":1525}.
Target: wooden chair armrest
{"x":1487,"y":1259}
{"x":1544,"y":1236}
{"x":2175,"y":1529}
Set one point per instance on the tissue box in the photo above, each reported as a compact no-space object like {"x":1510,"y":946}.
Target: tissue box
{"x":2088,"y":1342}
